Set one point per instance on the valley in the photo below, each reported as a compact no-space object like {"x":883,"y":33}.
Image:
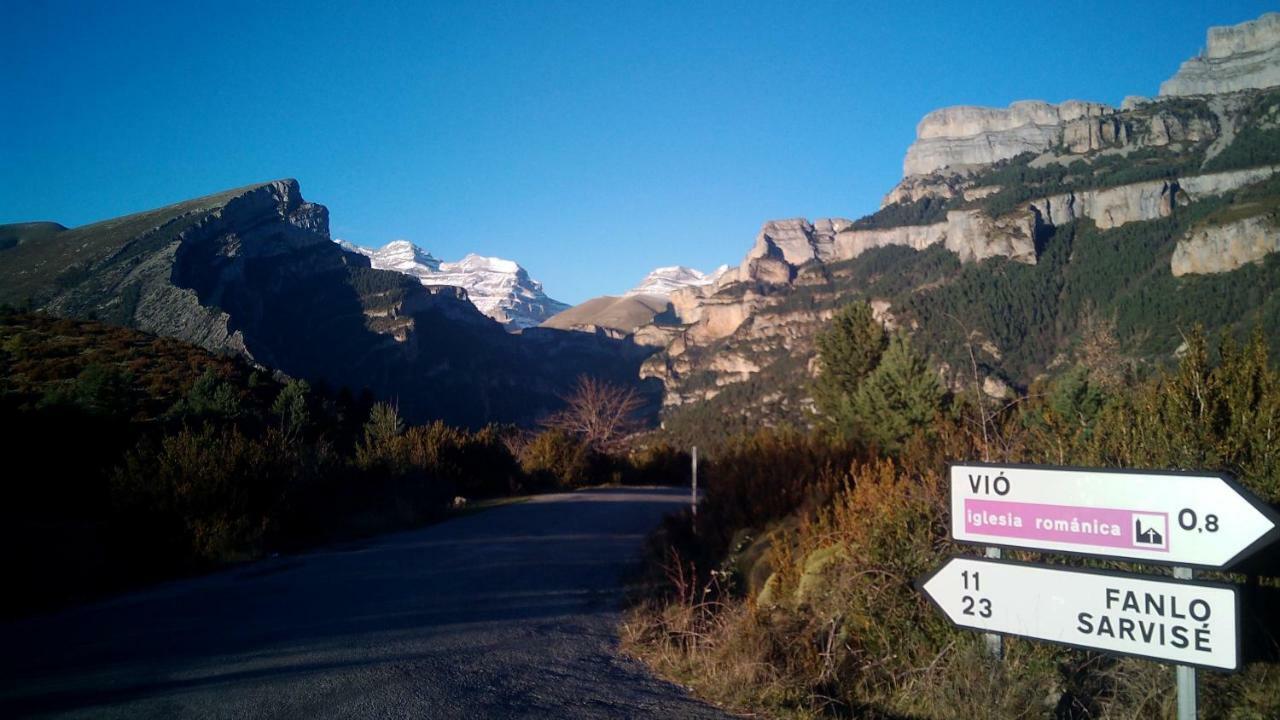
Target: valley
{"x":271,"y":470}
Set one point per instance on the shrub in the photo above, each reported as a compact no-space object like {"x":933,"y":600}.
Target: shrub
{"x":212,"y":492}
{"x":806,"y":608}
{"x":556,"y":459}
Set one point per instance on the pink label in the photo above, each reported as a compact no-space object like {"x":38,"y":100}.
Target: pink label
{"x":1102,"y":527}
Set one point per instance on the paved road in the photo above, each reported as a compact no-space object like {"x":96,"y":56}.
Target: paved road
{"x":506,"y":613}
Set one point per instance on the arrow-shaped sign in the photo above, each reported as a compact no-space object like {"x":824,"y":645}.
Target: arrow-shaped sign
{"x":1179,"y":622}
{"x":1170,"y":518}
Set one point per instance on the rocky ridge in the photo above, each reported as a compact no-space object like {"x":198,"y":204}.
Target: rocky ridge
{"x":970,"y":189}
{"x":1239,"y":57}
{"x":956,"y":138}
{"x":253,"y":272}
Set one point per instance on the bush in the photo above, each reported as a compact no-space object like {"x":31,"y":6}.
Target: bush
{"x":805,"y":607}
{"x":212,"y":493}
{"x":556,"y":459}
{"x":659,"y":464}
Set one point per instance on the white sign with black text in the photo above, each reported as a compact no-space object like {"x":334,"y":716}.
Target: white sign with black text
{"x":1179,"y":622}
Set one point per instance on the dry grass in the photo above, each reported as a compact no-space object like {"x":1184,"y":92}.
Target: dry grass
{"x":840,"y":631}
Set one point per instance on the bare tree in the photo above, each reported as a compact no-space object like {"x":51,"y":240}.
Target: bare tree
{"x":600,"y":413}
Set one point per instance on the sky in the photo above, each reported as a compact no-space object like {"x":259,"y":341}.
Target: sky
{"x":588,"y":141}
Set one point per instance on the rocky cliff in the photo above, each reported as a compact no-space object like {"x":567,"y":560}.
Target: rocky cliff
{"x":1008,"y":227}
{"x":957,"y":138}
{"x":1240,"y":57}
{"x":1219,"y":248}
{"x":253,"y":271}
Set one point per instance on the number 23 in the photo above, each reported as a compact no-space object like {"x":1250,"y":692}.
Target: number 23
{"x":984,"y":606}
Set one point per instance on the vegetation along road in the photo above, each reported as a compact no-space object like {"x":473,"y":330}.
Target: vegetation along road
{"x":505,"y":613}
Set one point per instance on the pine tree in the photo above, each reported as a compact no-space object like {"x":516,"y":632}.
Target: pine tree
{"x":291,"y":408}
{"x":384,"y":424}
{"x":849,"y":350}
{"x":901,"y":395}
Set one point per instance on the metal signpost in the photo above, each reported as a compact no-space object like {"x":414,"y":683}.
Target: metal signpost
{"x":693,"y":489}
{"x":1181,"y":519}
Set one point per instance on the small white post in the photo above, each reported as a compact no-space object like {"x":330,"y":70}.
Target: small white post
{"x":1186,"y":675}
{"x":995,"y":643}
{"x":693,"y":490}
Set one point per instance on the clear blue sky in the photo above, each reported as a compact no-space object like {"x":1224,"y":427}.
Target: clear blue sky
{"x":590,"y":141}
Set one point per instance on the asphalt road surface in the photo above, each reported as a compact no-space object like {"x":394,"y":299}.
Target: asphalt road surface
{"x":506,"y":613}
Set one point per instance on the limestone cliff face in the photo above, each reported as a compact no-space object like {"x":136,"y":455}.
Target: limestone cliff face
{"x":1240,"y":57}
{"x":1110,"y":207}
{"x":970,"y":234}
{"x":1222,"y":248}
{"x":985,"y":183}
{"x":721,"y":331}
{"x":956,"y":138}
{"x":783,"y":245}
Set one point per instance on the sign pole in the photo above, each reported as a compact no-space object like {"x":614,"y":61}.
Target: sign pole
{"x":995,"y":643}
{"x":1186,"y":675}
{"x":693,"y":490}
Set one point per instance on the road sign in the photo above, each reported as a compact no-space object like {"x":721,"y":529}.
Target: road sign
{"x":1169,"y":518}
{"x":1178,"y":622}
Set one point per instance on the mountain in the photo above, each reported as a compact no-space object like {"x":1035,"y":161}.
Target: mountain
{"x":665,"y":280}
{"x":1012,"y":232}
{"x":642,"y":306}
{"x":253,"y":272}
{"x":617,"y":317}
{"x":498,"y":288}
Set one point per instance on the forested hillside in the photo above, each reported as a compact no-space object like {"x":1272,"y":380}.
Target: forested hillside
{"x":791,"y":593}
{"x":147,"y":457}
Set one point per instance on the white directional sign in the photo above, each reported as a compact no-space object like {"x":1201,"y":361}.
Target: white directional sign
{"x":1179,"y":622}
{"x":1170,"y":518}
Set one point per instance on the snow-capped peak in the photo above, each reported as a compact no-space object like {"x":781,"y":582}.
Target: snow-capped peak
{"x":479,"y":263}
{"x":665,"y":280}
{"x":498,"y":287}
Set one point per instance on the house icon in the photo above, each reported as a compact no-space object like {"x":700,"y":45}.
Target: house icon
{"x":1146,"y":536}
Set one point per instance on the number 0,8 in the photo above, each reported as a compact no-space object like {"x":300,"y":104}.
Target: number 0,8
{"x":1187,"y":520}
{"x":983,"y":606}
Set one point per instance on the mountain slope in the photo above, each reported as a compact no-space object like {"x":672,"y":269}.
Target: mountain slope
{"x":498,"y":288}
{"x":253,"y":272}
{"x":1012,"y":231}
{"x":612,"y":316}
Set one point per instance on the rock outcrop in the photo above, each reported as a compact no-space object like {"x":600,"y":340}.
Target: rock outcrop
{"x":1222,"y":248}
{"x":987,"y":183}
{"x":1110,"y":207}
{"x":1239,"y":57}
{"x":957,"y":138}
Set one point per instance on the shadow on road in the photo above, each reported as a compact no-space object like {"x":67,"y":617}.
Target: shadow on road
{"x":510,"y":612}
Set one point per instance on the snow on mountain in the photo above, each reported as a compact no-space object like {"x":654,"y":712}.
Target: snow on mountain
{"x":498,"y":288}
{"x":666,"y":280}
